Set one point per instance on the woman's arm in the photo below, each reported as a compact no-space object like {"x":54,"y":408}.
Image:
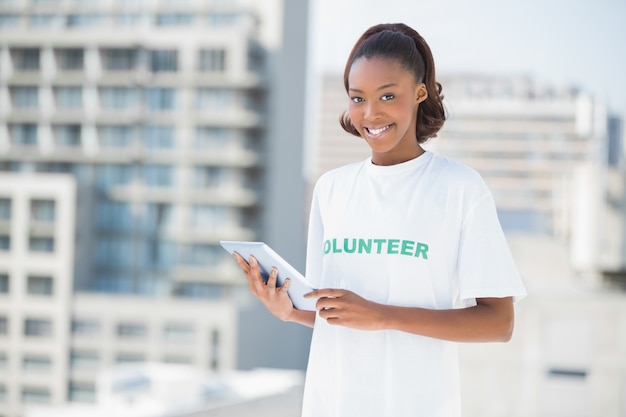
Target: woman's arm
{"x":275,"y":299}
{"x":491,"y":320}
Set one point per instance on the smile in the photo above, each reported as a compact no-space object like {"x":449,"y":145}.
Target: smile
{"x":377,"y":131}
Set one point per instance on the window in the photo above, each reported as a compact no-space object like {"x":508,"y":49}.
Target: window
{"x":202,"y":290}
{"x":24,"y":134}
{"x":129,"y":358}
{"x":174,"y":19}
{"x":116,"y":136}
{"x":212,"y":60}
{"x":164,"y":60}
{"x":4,"y":283}
{"x":83,"y":360}
{"x":211,"y":138}
{"x":183,"y":360}
{"x":132,"y":330}
{"x":46,"y":20}
{"x":158,"y":137}
{"x":43,"y":211}
{"x":71,"y":59}
{"x":113,"y":215}
{"x":113,"y":251}
{"x":178,"y":333}
{"x":69,"y":97}
{"x":113,"y":175}
{"x":84,"y":20}
{"x":208,"y":177}
{"x":26,"y":59}
{"x":9,"y":20}
{"x":5,"y":243}
{"x":41,"y":244}
{"x":36,"y":363}
{"x":222,"y":19}
{"x":209,"y":217}
{"x":5,"y":209}
{"x":113,"y":283}
{"x":37,"y":327}
{"x":25,"y":97}
{"x":216,"y":99}
{"x":215,"y":349}
{"x":88,"y":3}
{"x":256,"y":58}
{"x":200,"y":254}
{"x":32,"y":395}
{"x":67,"y":136}
{"x":119,"y":59}
{"x":4,"y":361}
{"x":81,"y":327}
{"x":161,"y":253}
{"x":157,"y":216}
{"x":157,"y":175}
{"x":160,"y":99}
{"x":118,"y":98}
{"x":128,"y":19}
{"x":82,"y":392}
{"x":40,"y":285}
{"x":4,"y":325}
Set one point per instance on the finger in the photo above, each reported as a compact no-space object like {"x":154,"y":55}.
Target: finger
{"x":285,"y":285}
{"x":328,"y":303}
{"x":254,"y":275}
{"x":241,"y":262}
{"x":325,"y":292}
{"x":271,"y":281}
{"x":329,"y":314}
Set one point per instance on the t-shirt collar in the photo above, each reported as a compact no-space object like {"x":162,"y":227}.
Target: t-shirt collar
{"x":409,"y":165}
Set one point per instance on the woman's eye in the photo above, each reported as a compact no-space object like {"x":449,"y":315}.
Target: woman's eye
{"x":387,"y":97}
{"x":356,"y":99}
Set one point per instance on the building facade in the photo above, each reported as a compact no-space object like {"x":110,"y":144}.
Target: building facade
{"x":159,"y":117}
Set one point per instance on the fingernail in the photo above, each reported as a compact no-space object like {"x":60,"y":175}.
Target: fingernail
{"x":274,"y":271}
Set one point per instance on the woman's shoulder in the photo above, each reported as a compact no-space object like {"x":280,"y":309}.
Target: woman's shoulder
{"x":457,"y":174}
{"x":454,"y":168}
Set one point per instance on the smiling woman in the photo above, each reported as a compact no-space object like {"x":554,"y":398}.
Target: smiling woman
{"x":394,"y":242}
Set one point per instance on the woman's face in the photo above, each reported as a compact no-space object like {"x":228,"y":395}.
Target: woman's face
{"x":384,"y":98}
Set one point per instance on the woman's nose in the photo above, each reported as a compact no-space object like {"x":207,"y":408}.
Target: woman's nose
{"x":371,"y":111}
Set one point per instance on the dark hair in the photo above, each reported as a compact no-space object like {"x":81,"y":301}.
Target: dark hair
{"x":402,"y":43}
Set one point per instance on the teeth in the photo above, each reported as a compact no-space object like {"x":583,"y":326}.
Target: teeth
{"x":377,"y":131}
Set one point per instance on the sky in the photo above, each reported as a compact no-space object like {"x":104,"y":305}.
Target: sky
{"x":578,"y":43}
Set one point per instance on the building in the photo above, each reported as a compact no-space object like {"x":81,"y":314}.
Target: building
{"x":160,"y":117}
{"x":554,"y":160}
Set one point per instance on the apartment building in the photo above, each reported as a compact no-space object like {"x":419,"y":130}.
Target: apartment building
{"x":158,"y":116}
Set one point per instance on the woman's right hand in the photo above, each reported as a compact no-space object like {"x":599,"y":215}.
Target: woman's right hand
{"x":275,"y":299}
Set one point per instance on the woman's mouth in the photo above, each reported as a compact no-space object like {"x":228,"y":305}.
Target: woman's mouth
{"x":377,"y":131}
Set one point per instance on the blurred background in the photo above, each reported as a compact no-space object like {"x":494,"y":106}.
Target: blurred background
{"x":137,"y":134}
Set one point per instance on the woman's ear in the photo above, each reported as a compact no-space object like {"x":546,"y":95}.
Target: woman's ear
{"x":421,"y":93}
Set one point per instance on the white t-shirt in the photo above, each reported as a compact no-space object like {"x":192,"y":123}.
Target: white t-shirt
{"x":423,"y":233}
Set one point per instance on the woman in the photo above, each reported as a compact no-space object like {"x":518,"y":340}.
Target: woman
{"x":395,"y":243}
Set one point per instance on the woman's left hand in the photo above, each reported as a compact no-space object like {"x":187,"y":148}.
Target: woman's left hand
{"x":345,"y":308}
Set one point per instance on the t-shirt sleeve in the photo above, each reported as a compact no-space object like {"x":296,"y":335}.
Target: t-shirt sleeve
{"x":485,"y":265}
{"x":314,"y":252}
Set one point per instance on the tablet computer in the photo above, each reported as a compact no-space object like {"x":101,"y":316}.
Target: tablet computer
{"x":267,"y":259}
